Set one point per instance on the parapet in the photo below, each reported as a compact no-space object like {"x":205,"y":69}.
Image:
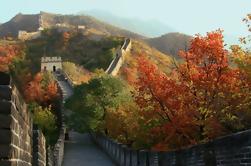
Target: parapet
{"x":51,"y":59}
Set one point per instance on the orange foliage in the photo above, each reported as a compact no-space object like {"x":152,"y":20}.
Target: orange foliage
{"x":51,"y":91}
{"x":201,"y":99}
{"x":36,"y":92}
{"x":130,"y":75}
{"x":66,"y":37}
{"x":163,"y":107}
{"x":7,"y":54}
{"x":126,"y":124}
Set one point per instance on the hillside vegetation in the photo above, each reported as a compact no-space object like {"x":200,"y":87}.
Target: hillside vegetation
{"x":129,"y":67}
{"x":30,"y":23}
{"x":170,"y":43}
{"x":74,"y":47}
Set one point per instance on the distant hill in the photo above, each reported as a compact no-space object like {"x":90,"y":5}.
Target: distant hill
{"x":19,"y":22}
{"x":31,"y":23}
{"x":88,"y":53}
{"x":170,"y":43}
{"x":149,"y":28}
{"x":76,"y":47}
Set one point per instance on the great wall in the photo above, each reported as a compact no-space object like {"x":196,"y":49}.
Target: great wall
{"x":23,"y":144}
{"x":24,"y":35}
{"x":117,"y":62}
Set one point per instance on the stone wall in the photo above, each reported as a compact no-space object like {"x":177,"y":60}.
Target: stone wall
{"x":68,"y":79}
{"x":15,"y":126}
{"x":24,"y":35}
{"x":39,"y":148}
{"x":19,"y":144}
{"x":117,"y":62}
{"x":232,"y":150}
{"x":51,"y":64}
{"x":49,"y":157}
{"x":58,"y":153}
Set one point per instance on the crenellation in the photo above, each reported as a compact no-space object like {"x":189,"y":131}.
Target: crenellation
{"x":16,"y":131}
{"x":81,"y":27}
{"x":213,"y":153}
{"x":51,"y":64}
{"x":51,"y":59}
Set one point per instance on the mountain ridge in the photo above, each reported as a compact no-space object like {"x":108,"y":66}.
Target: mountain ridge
{"x":30,"y":23}
{"x":168,"y":44}
{"x":148,"y":28}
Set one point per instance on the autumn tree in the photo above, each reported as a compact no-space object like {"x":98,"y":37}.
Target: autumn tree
{"x":122,"y":123}
{"x":65,"y":37}
{"x":162,"y":108}
{"x":201,"y":99}
{"x":247,"y":21}
{"x":242,"y":56}
{"x":42,"y":89}
{"x":8,"y":53}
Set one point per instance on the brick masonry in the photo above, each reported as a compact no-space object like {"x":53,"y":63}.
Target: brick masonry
{"x":232,"y":150}
{"x":117,"y":62}
{"x":16,"y":129}
{"x":39,"y":148}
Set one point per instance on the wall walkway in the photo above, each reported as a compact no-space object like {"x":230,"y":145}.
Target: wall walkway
{"x":232,"y":150}
{"x":117,"y":62}
{"x":81,"y":151}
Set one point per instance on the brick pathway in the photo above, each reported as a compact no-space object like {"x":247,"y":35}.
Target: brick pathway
{"x":81,"y":151}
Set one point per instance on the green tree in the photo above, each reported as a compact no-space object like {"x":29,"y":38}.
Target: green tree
{"x":91,"y":102}
{"x":46,"y":121}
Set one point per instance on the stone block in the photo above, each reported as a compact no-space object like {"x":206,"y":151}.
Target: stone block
{"x":153,"y":158}
{"x":5,"y":92}
{"x":6,"y":107}
{"x":134,"y":158}
{"x":142,"y":158}
{"x":5,"y":121}
{"x":5,"y":79}
{"x":5,"y":136}
{"x":6,"y":163}
{"x":15,"y":140}
{"x":5,"y":151}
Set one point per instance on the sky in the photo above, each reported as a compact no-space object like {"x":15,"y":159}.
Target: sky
{"x":187,"y":16}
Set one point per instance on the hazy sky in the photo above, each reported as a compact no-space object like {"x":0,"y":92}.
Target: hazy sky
{"x":188,"y":16}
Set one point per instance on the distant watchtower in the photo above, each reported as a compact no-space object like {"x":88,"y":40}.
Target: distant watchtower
{"x":51,"y":64}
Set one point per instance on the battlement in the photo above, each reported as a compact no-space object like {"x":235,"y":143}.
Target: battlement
{"x":51,"y":63}
{"x":51,"y":59}
{"x":81,"y":27}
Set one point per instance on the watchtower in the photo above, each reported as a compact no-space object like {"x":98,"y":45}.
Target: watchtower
{"x":51,"y":64}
